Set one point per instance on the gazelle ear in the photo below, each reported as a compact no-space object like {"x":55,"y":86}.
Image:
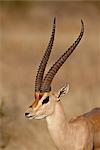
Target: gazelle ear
{"x":64,"y":90}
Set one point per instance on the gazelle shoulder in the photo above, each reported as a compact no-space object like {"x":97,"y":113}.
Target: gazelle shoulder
{"x":81,"y":121}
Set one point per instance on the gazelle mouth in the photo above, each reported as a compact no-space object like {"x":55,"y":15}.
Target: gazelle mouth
{"x":31,"y":117}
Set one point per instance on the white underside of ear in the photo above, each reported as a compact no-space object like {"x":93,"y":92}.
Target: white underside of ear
{"x":64,"y":90}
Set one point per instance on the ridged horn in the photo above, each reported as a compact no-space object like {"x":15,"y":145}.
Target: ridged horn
{"x":44,"y":60}
{"x":56,"y":66}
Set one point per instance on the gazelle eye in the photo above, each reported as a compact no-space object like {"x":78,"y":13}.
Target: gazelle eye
{"x":46,"y":100}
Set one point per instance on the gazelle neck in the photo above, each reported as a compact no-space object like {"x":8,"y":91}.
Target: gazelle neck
{"x":57,"y":125}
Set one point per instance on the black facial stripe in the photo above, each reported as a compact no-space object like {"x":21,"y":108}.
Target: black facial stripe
{"x":46,"y":100}
{"x":30,"y":106}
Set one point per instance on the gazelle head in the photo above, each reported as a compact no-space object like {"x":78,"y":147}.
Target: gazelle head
{"x":45,"y":100}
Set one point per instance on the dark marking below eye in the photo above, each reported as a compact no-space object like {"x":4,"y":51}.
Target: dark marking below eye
{"x":46,"y":100}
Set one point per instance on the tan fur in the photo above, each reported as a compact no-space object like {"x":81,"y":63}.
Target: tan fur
{"x":80,"y":133}
{"x":72,"y":135}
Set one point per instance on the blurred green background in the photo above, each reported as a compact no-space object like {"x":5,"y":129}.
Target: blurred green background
{"x":25,"y":28}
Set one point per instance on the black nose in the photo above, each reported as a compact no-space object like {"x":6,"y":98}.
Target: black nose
{"x":26,"y":114}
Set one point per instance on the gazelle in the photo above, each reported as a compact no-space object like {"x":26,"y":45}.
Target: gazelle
{"x":82,"y":133}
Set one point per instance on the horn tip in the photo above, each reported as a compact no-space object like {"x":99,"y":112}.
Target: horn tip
{"x":54,"y":20}
{"x":82,"y":29}
{"x":82,"y":23}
